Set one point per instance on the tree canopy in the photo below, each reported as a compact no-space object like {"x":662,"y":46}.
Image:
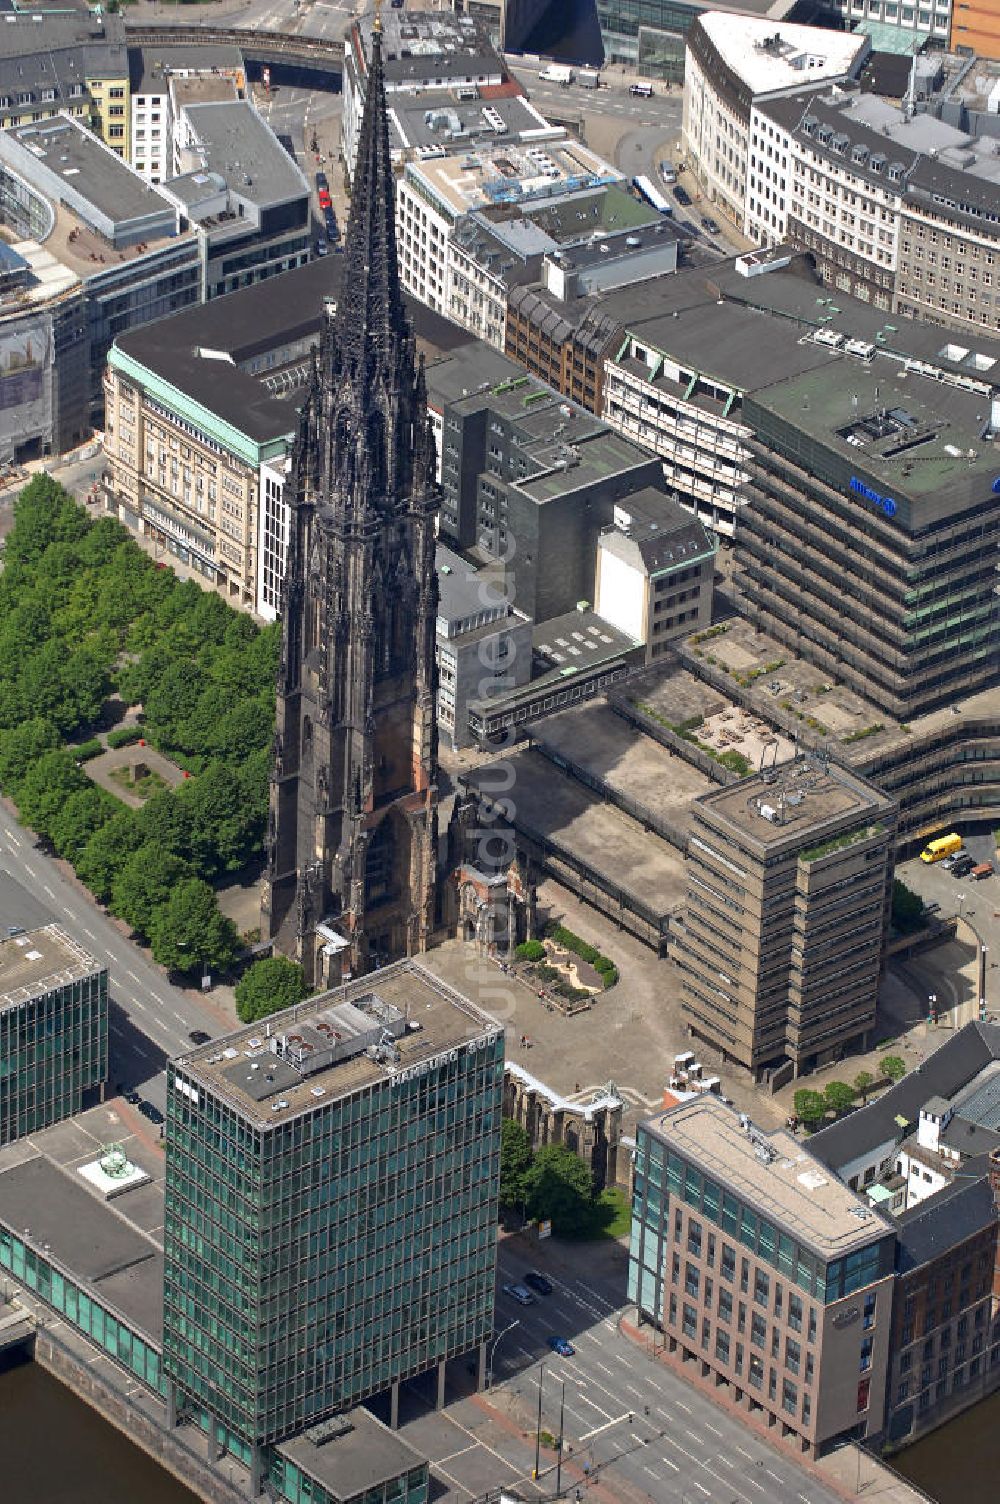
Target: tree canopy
{"x":560,"y":1188}
{"x":268,"y":986}
{"x":187,"y":932}
{"x":810,"y":1106}
{"x":893,"y":1067}
{"x":84,"y":612}
{"x":515,"y":1161}
{"x":839,"y":1096}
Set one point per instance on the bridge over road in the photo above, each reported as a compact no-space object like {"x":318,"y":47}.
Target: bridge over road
{"x":290,"y":57}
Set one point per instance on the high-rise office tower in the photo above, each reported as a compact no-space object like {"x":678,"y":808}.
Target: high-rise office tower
{"x":788,"y":876}
{"x":331,"y":1204}
{"x":352,"y":834}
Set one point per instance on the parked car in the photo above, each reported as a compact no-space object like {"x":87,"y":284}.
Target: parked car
{"x":322,"y":246}
{"x":984,"y":869}
{"x":561,"y":1346}
{"x":322,"y":181}
{"x":519,"y":1293}
{"x":538,"y":1282}
{"x":325,"y":201}
{"x":956,"y":856}
{"x":151,"y":1111}
{"x":681,"y":195}
{"x":710,"y":224}
{"x":199,"y":1036}
{"x":963,"y":867}
{"x":133,"y":1098}
{"x":667,"y":173}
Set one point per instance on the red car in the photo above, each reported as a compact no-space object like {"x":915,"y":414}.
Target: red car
{"x":324,"y":198}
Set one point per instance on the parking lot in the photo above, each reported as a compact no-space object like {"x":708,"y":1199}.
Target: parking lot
{"x":975,"y":904}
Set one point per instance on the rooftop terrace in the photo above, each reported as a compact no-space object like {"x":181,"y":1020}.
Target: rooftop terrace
{"x":36,"y":961}
{"x":510,"y":175}
{"x":333,"y":1046}
{"x":801,"y":798}
{"x":771,"y":1170}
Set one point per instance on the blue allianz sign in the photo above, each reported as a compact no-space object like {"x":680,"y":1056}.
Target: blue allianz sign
{"x":885,"y":502}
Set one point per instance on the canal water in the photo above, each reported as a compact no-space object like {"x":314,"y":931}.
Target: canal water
{"x":55,"y":1450}
{"x":960,"y":1463}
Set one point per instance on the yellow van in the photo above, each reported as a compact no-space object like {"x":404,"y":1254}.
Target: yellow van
{"x":943,"y":846}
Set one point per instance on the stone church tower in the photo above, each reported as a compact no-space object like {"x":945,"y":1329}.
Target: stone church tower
{"x":352,"y":832}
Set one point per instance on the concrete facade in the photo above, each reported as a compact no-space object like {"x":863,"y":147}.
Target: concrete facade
{"x":788,"y":875}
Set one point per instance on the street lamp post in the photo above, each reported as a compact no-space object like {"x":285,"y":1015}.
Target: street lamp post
{"x":538,"y":1427}
{"x":559,"y":1450}
{"x":493,"y":1348}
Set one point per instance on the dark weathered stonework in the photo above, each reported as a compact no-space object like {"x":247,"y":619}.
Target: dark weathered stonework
{"x":353,"y":821}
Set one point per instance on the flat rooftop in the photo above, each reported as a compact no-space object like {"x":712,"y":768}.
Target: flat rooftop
{"x":610,"y":749}
{"x":42,"y":1195}
{"x":801,"y":798}
{"x":571,"y":461}
{"x":439,"y":119}
{"x":91,"y":169}
{"x":515,"y":174}
{"x":151,"y":66}
{"x":923,"y":443}
{"x":266,"y":1073}
{"x":771,"y":56}
{"x":202,"y":88}
{"x":772,"y":1171}
{"x":36,"y":961}
{"x":246,"y":325}
{"x":351,"y":1454}
{"x":573,"y":821}
{"x":238,"y":144}
{"x":419,"y":45}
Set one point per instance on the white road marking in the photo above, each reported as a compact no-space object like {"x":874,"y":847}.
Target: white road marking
{"x":616,"y":1421}
{"x":12,"y":837}
{"x":48,"y":890}
{"x":701,"y":1488}
{"x":604,"y":1369}
{"x":584,"y":1400}
{"x":714,"y":1429}
{"x":133,"y":976}
{"x":649,"y":1470}
{"x":681,"y":1406}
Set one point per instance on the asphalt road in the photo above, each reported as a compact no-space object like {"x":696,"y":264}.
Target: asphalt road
{"x":150,"y":1019}
{"x":678,"y":1444}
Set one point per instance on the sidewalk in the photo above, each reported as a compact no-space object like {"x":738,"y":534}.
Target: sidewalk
{"x":849,"y":1470}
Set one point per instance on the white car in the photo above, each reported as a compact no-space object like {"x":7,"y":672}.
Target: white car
{"x":520,"y":1293}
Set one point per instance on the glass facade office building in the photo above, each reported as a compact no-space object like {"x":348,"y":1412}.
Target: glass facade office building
{"x":53,"y":1030}
{"x":331,"y":1202}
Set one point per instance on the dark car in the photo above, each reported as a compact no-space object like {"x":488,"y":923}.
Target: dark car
{"x":199,"y":1036}
{"x":561,"y":1346}
{"x":150,"y":1111}
{"x":332,"y":228}
{"x":133,"y":1098}
{"x":321,"y":180}
{"x":681,"y":195}
{"x":709,"y":224}
{"x":963,"y":867}
{"x":538,"y":1282}
{"x":322,"y":246}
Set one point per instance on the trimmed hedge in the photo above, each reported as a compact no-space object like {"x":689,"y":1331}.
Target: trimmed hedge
{"x":125,"y":736}
{"x":605,"y":968}
{"x":86,"y":750}
{"x":530,"y":950}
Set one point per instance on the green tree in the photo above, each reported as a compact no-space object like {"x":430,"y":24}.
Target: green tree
{"x":22,"y":746}
{"x":810,"y":1107}
{"x":560,"y":1187}
{"x":44,"y":513}
{"x":907,"y":907}
{"x":225,"y":820}
{"x":79,"y":818}
{"x":268,"y":986}
{"x":145,"y":881}
{"x":46,"y":786}
{"x":515,"y":1162}
{"x":188,"y":934}
{"x":863,"y":1083}
{"x":839,"y":1096}
{"x":106,"y":852}
{"x":893,"y":1067}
